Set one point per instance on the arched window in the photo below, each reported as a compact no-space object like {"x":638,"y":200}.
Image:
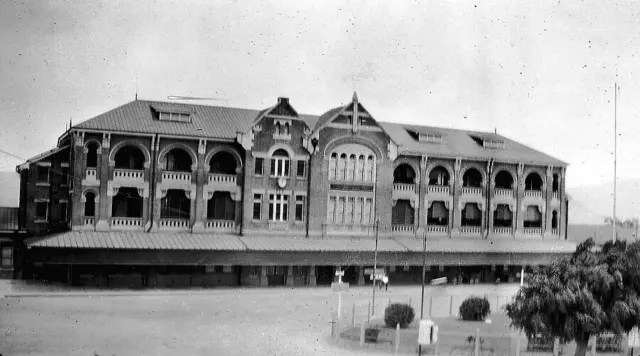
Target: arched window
{"x":360,"y":168}
{"x":533,"y":217}
{"x":472,"y":178}
{"x":533,"y":182}
{"x":502,"y":216}
{"x":370,"y":169}
{"x":471,"y":215}
{"x":351,"y":167}
{"x":223,"y":162}
{"x":333,"y":161}
{"x":221,"y":207}
{"x":129,"y":157}
{"x":554,"y":220}
{"x":342,"y":165}
{"x":127,"y":203}
{"x":404,"y":174}
{"x":556,"y":182}
{"x":439,"y":176}
{"x":504,"y":180}
{"x":177,"y":160}
{"x":438,"y":214}
{"x":280,"y":163}
{"x":90,"y":204}
{"x":175,"y":205}
{"x":92,"y":155}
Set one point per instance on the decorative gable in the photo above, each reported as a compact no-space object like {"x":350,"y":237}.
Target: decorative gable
{"x":283,"y":108}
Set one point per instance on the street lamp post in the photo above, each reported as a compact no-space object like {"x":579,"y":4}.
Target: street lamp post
{"x":424,"y":270}
{"x":375,"y":262}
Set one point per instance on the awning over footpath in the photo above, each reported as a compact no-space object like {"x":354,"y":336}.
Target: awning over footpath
{"x":227,"y":242}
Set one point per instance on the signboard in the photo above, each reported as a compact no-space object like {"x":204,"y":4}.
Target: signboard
{"x":339,"y":273}
{"x":634,"y":338}
{"x":437,"y":281}
{"x":370,"y":271}
{"x":339,"y":287}
{"x":427,"y":332}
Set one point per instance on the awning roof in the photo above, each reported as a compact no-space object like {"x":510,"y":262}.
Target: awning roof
{"x":227,"y":242}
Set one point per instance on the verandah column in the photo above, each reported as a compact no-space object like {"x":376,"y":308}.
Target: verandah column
{"x":290,"y":278}
{"x":312,"y":276}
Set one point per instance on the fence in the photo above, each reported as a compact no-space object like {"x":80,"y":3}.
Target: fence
{"x":358,"y":325}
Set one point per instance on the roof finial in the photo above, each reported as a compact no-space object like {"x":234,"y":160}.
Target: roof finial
{"x":70,"y":124}
{"x":355,"y":96}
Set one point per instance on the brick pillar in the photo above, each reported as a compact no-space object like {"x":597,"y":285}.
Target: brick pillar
{"x":264,"y":282}
{"x":79,"y":172}
{"x":547,"y":196}
{"x":290,"y":276}
{"x":103,"y":209}
{"x":200,"y":179}
{"x":422,"y":194}
{"x":519,"y":223}
{"x":455,"y":206}
{"x":312,"y":276}
{"x":360,"y":271}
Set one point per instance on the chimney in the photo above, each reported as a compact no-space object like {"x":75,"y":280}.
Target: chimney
{"x":282,"y":100}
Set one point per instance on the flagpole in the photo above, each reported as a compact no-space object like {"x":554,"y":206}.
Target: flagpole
{"x":615,"y":155}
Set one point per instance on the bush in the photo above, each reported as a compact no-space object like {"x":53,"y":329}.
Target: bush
{"x":475,"y":309}
{"x":398,"y":313}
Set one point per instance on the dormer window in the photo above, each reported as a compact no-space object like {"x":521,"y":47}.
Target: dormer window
{"x":486,"y":142}
{"x":430,"y":137}
{"x":491,"y":143}
{"x":426,"y":137}
{"x":172,"y":116}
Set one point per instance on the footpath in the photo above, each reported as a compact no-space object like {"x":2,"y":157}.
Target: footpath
{"x":26,"y":289}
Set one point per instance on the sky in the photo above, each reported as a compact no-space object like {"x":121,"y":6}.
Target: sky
{"x":539,"y":72}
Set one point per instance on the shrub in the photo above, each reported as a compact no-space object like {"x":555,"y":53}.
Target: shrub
{"x":398,"y":313}
{"x":475,"y":309}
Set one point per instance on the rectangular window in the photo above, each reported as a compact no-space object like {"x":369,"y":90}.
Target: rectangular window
{"x":348,"y":211}
{"x":227,"y":269}
{"x":63,"y":211}
{"x":357,"y":215}
{"x":278,"y":207}
{"x":301,"y":169}
{"x":41,"y":210}
{"x":366,"y":212}
{"x":280,"y":167}
{"x":300,"y":200}
{"x":259,"y":164}
{"x":43,"y":174}
{"x":331,"y":210}
{"x":257,"y":207}
{"x":64,"y":176}
{"x":340,"y":210}
{"x":7,"y":257}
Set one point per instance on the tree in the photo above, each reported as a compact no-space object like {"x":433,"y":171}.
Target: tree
{"x":592,"y":292}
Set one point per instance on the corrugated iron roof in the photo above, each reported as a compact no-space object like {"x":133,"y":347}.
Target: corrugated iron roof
{"x":225,"y":122}
{"x":214,"y":242}
{"x":490,"y":245}
{"x":41,"y":156}
{"x":139,"y":241}
{"x":459,"y":143}
{"x":302,"y":244}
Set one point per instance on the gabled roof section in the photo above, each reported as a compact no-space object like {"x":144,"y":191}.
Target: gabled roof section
{"x":327,"y":117}
{"x":141,"y":116}
{"x":40,"y":157}
{"x":461,"y":143}
{"x":284,"y":109}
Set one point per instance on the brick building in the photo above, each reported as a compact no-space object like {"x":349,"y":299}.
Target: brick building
{"x":162,"y":194}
